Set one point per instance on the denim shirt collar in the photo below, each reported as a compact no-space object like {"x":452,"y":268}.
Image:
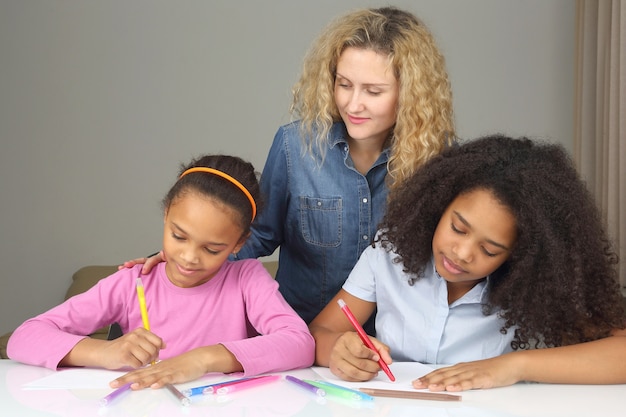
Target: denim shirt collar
{"x":339,"y":137}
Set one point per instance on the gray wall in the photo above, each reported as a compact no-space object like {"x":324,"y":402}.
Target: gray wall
{"x":100,"y":101}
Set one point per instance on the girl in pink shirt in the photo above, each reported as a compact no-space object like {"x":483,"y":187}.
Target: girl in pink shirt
{"x":206,"y":313}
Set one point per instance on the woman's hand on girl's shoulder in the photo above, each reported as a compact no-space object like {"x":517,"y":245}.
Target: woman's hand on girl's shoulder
{"x":148,"y":262}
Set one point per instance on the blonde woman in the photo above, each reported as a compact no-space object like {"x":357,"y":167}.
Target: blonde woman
{"x":373,"y":103}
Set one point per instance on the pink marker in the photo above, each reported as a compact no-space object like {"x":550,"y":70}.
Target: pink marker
{"x":366,"y":340}
{"x":248,"y":383}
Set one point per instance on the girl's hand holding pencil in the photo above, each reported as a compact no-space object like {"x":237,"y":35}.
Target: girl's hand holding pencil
{"x":182,"y":368}
{"x":351,"y":360}
{"x":186,"y":367}
{"x":365,"y":338}
{"x":132,"y":350}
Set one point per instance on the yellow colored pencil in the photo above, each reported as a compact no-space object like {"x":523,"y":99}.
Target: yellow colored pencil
{"x":141,"y":296}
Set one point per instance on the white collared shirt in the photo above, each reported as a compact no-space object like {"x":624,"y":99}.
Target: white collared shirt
{"x":416,"y":322}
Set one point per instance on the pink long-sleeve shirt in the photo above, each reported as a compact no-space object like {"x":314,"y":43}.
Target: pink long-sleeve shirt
{"x":240,"y":308}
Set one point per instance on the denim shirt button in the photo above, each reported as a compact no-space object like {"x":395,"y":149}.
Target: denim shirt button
{"x":330,"y":207}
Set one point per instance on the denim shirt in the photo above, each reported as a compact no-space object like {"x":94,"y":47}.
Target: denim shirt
{"x":321,"y":214}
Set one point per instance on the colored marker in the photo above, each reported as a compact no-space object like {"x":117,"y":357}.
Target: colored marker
{"x":339,"y":391}
{"x":115,"y":394}
{"x":252,"y":382}
{"x":305,"y":385}
{"x":183,"y":399}
{"x":209,"y":389}
{"x":366,"y":340}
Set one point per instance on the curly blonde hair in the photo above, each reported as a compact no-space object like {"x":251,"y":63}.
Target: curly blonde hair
{"x":424,"y":123}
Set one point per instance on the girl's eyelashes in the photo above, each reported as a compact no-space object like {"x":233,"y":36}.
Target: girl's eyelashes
{"x":460,"y":232}
{"x":208,"y":250}
{"x":455,"y":229}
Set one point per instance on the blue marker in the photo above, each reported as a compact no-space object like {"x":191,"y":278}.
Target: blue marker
{"x":208,"y":389}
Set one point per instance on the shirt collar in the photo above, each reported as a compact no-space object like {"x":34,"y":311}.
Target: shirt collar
{"x":339,"y":134}
{"x":478,"y":294}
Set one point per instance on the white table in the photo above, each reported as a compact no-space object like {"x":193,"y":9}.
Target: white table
{"x":282,"y":398}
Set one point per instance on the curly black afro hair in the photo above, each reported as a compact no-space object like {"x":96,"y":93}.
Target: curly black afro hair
{"x":559,"y":285}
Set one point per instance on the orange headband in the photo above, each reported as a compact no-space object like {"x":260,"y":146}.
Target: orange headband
{"x":229,"y":178}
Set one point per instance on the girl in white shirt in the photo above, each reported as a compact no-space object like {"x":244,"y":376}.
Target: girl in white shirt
{"x":490,"y":253}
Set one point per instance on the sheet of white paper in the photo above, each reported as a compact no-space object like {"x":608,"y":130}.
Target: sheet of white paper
{"x":75,"y":378}
{"x":405,"y":372}
{"x":92,"y":378}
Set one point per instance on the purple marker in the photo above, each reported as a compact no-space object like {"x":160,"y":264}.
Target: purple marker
{"x":309,"y":387}
{"x":115,"y":394}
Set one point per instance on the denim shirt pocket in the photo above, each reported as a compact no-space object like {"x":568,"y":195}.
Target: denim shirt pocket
{"x":320,"y":220}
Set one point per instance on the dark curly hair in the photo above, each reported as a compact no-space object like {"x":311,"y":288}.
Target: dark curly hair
{"x":559,"y":286}
{"x":214,"y":186}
